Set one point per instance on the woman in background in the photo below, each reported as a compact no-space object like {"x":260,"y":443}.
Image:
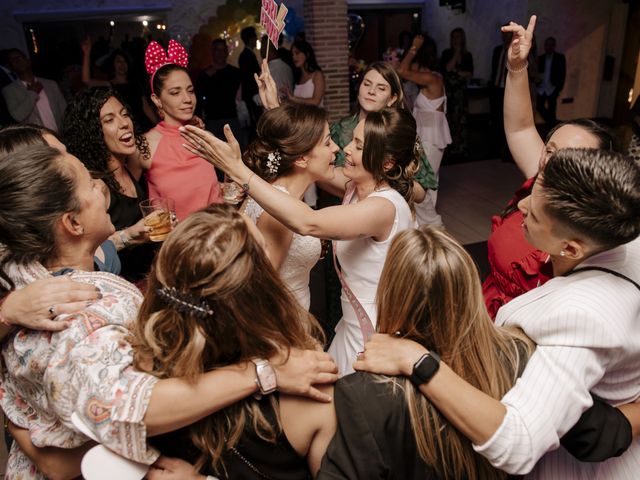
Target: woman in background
{"x":457,"y":66}
{"x":309,"y":80}
{"x":171,"y":171}
{"x":430,"y":108}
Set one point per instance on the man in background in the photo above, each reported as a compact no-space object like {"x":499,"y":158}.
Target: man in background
{"x":552,"y":68}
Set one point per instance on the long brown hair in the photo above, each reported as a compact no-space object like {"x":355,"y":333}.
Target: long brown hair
{"x":430,"y":291}
{"x":254,"y":315}
{"x":390,"y":151}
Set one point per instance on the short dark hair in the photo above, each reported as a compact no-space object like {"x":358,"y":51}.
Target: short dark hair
{"x":594,"y":193}
{"x":247,"y":34}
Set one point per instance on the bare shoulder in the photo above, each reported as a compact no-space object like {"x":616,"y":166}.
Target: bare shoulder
{"x":303,"y":418}
{"x":153,"y":138}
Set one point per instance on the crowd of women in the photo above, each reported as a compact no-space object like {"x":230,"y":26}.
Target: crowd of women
{"x":218,"y":370}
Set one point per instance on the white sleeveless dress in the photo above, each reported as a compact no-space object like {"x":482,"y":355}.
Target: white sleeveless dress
{"x":304,"y":253}
{"x":362,"y":260}
{"x":433,"y":129}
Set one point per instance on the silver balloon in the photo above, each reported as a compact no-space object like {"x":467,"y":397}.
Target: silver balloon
{"x":356,"y":29}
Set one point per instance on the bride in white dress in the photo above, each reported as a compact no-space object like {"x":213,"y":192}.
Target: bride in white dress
{"x":380,"y":163}
{"x":292,"y":150}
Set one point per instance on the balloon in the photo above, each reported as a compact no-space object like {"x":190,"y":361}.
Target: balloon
{"x":356,"y":29}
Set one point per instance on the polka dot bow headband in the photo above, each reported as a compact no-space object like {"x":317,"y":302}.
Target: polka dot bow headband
{"x":155,"y":57}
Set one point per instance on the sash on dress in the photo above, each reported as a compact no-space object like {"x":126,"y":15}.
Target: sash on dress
{"x":366,"y":325}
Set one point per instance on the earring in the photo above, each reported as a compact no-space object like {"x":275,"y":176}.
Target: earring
{"x":81,"y":230}
{"x":562,"y":253}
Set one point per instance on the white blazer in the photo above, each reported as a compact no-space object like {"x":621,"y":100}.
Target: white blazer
{"x":587,"y":327}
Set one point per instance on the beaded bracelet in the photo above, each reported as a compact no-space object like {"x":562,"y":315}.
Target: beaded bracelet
{"x":245,"y":186}
{"x":519,"y":70}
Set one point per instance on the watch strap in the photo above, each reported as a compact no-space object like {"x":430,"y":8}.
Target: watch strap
{"x":425,"y":368}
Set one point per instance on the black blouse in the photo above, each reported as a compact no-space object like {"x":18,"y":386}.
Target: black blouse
{"x":374,"y":438}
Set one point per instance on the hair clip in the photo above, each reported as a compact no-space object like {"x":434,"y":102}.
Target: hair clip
{"x":273,"y":162}
{"x":185,"y":302}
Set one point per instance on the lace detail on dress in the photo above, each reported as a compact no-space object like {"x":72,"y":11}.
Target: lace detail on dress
{"x":303,"y":254}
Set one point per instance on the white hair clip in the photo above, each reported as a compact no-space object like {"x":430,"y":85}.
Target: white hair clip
{"x":273,"y":162}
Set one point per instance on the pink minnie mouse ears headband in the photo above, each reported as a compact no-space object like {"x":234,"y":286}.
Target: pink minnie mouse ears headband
{"x":155,"y":57}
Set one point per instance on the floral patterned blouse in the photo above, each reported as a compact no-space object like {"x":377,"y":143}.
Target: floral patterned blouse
{"x":84,"y":369}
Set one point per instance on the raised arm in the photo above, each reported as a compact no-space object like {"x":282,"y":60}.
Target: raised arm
{"x":421,"y":78}
{"x":524,"y":141}
{"x":86,"y":66}
{"x":372,"y":217}
{"x":267,"y":88}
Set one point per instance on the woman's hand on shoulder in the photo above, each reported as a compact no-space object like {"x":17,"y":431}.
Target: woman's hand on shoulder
{"x":167,"y":468}
{"x":299,"y":370}
{"x":38,"y":304}
{"x":389,"y":355}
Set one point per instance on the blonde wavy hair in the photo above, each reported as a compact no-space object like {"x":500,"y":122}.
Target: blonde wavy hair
{"x":213,"y":256}
{"x":430,"y":291}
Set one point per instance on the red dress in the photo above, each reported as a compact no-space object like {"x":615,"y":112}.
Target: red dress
{"x":178,"y":174}
{"x":516,"y":266}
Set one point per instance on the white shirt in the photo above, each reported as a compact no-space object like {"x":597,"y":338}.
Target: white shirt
{"x":587,"y":327}
{"x":44,"y":108}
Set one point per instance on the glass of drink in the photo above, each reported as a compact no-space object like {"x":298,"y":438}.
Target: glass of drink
{"x":231,"y":192}
{"x":157,"y":216}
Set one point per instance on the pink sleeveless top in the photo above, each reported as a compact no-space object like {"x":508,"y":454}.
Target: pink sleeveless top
{"x":178,"y":174}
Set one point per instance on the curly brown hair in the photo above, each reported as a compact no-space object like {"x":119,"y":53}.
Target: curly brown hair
{"x":82,"y":133}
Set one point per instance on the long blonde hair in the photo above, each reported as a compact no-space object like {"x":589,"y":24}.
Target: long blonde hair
{"x":213,"y":257}
{"x":430,"y":291}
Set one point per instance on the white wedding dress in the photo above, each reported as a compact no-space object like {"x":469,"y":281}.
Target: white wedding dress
{"x":304,"y":253}
{"x":362,"y":260}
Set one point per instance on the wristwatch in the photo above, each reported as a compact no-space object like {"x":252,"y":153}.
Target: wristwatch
{"x":425,"y":368}
{"x":265,"y":376}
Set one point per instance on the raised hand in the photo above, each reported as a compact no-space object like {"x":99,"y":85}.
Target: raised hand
{"x":418,"y":40}
{"x":224,"y":155}
{"x":267,"y":88}
{"x":521,"y":42}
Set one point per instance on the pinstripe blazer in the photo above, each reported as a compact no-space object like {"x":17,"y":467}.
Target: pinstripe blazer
{"x":587,"y":327}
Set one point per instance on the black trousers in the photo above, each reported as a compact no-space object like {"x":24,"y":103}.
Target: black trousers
{"x":546,"y":105}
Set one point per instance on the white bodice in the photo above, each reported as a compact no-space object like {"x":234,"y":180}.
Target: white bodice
{"x":361,"y":260}
{"x":303,"y":254}
{"x":431,"y":124}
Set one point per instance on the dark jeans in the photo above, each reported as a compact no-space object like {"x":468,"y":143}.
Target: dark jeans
{"x":546,"y":105}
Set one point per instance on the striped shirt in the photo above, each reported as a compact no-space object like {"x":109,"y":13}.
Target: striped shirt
{"x":588,"y":333}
